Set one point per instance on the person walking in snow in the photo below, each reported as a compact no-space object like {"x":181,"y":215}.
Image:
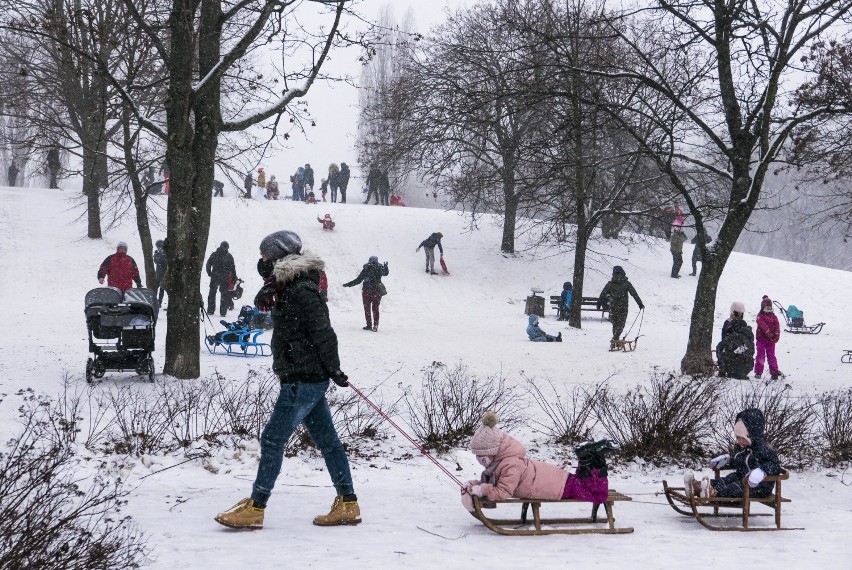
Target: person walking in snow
{"x":384,"y":188}
{"x":735,"y":352}
{"x":536,"y":334}
{"x":53,"y":165}
{"x":677,"y":239}
{"x":510,"y":473}
{"x":696,"y":252}
{"x":309,"y":178}
{"x":372,"y":290}
{"x":373,"y":181}
{"x":221,"y":270}
{"x":247,"y":185}
{"x":428,"y":246}
{"x":334,"y":181}
{"x":119,"y":269}
{"x":768,"y":333}
{"x":343,"y":181}
{"x":161,"y":264}
{"x":305,"y":357}
{"x":614,"y":296}
{"x":752,"y":458}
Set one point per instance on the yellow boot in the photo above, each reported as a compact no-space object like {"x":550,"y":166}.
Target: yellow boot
{"x":342,"y":512}
{"x":242,"y":515}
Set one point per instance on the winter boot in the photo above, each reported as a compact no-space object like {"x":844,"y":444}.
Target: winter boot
{"x":689,"y":484}
{"x":376,"y":327}
{"x":344,"y":511}
{"x":368,"y":327}
{"x":778,"y":374}
{"x":757,"y":376}
{"x":708,"y":491}
{"x":242,"y":515}
{"x":559,"y":337}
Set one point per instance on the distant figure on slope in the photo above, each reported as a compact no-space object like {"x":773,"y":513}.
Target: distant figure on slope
{"x":220,"y":269}
{"x":324,"y":188}
{"x":247,"y":184}
{"x":161,"y":264}
{"x":536,"y":334}
{"x":53,"y":165}
{"x":272,"y":188}
{"x":614,"y":294}
{"x":768,"y":333}
{"x":326,"y":222}
{"x":735,"y":352}
{"x":261,"y":178}
{"x":384,"y":188}
{"x":334,"y":181}
{"x":396,"y":200}
{"x":677,"y":239}
{"x":696,"y":252}
{"x":428,"y":246}
{"x":510,"y":473}
{"x":309,"y":178}
{"x":119,"y":269}
{"x":343,"y":181}
{"x":565,"y":301}
{"x":373,"y":182}
{"x":372,"y":290}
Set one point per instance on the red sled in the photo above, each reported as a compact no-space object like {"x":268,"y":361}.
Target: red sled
{"x":444,"y":267}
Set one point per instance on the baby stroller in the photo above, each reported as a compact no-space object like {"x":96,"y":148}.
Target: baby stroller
{"x":795,"y":320}
{"x":240,"y":337}
{"x":121,"y":331}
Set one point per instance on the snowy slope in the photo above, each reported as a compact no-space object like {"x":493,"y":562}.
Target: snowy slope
{"x":411,"y":512}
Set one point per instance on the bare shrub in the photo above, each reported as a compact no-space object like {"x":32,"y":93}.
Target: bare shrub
{"x":671,"y":418}
{"x":569,"y":411}
{"x":835,"y":425}
{"x":51,"y":515}
{"x":789,"y":420}
{"x":450,"y":404}
{"x":356,"y":419}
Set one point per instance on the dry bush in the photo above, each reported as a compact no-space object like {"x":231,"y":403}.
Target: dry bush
{"x":51,"y":515}
{"x":789,"y":420}
{"x":569,"y":411}
{"x":835,"y":425}
{"x":356,"y":419}
{"x":671,"y":418}
{"x":450,"y":404}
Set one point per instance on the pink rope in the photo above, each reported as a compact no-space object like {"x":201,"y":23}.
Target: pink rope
{"x":408,"y":437}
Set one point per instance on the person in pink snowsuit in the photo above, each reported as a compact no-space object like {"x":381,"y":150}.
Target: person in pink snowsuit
{"x":509,"y":473}
{"x":768,"y":333}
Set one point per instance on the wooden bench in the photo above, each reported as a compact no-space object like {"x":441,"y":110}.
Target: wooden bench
{"x":509,"y":526}
{"x":586,"y":304}
{"x":680,"y":502}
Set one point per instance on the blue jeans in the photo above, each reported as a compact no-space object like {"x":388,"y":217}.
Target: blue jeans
{"x":300,"y":403}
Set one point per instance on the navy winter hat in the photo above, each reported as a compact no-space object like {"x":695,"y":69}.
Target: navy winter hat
{"x":160,"y":243}
{"x":618,"y":270}
{"x":567,"y":286}
{"x":224,"y":245}
{"x":374,"y":259}
{"x":277,"y":245}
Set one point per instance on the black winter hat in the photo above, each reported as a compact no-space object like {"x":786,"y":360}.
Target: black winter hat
{"x":567,"y":286}
{"x":160,"y":243}
{"x":224,"y":245}
{"x":279,"y":244}
{"x":618,"y":270}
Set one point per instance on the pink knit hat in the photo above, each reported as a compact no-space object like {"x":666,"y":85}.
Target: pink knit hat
{"x":487,"y":439}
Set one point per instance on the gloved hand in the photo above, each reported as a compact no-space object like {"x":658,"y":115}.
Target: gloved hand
{"x":101,"y":280}
{"x":477,"y":490}
{"x":756,"y":477}
{"x":385,"y":264}
{"x":340,"y":379}
{"x":720,"y":461}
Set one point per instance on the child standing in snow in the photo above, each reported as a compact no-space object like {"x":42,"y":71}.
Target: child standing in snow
{"x":768,"y":333}
{"x":509,"y":473}
{"x":751,"y":457}
{"x":537,"y":335}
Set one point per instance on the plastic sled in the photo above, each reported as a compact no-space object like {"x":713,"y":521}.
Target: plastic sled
{"x":444,"y":267}
{"x":237,"y":341}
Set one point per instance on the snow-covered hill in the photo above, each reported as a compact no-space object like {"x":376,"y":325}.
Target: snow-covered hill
{"x":411,"y":512}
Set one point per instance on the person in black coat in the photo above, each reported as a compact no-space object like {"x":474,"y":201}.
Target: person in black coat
{"x":371,"y":292}
{"x":13,"y":174}
{"x":220,"y":269}
{"x":735,"y":352}
{"x":428,"y":246}
{"x":161,"y":264}
{"x":53,"y":165}
{"x":384,"y":188}
{"x":309,"y":178}
{"x":343,"y":180}
{"x":614,"y":297}
{"x":305,"y":357}
{"x":373,"y":183}
{"x":751,"y":457}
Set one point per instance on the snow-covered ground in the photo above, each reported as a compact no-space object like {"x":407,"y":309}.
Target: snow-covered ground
{"x":411,"y":511}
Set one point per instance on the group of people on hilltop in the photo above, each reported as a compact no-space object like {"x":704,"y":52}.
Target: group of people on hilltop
{"x":337,"y":181}
{"x":378,"y":186}
{"x":677,"y":239}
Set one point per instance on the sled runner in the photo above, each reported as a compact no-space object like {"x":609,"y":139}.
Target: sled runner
{"x":511,"y":527}
{"x":847,"y":358}
{"x":693,"y":506}
{"x":238,"y":340}
{"x":795,"y":320}
{"x":623,"y":345}
{"x":444,"y":267}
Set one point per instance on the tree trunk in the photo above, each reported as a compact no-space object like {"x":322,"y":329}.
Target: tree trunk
{"x":92,"y":193}
{"x":582,"y":244}
{"x":507,"y":245}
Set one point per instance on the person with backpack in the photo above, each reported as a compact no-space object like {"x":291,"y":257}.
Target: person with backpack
{"x":565,"y":301}
{"x":614,"y":297}
{"x":768,"y":333}
{"x":220,"y":269}
{"x":735,"y":352}
{"x":428,"y":246}
{"x":343,"y":181}
{"x":677,"y":239}
{"x":119,"y":269}
{"x":161,"y":264}
{"x":372,"y":290}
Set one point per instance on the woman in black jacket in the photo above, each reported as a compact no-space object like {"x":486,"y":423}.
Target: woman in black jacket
{"x":372,"y":290}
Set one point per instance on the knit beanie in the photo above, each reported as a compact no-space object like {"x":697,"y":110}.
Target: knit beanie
{"x":374,"y":259}
{"x":618,"y":270}
{"x":766,"y":302}
{"x":279,"y":244}
{"x":738,"y":307}
{"x":120,"y":245}
{"x":487,"y":439}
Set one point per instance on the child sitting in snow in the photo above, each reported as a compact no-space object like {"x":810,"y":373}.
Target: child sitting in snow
{"x":751,"y":457}
{"x":509,"y":473}
{"x":537,"y":335}
{"x":326,"y":222}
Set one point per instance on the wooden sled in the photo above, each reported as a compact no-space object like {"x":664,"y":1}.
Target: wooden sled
{"x":623,"y":345}
{"x":512,"y":527}
{"x":689,"y":506}
{"x":847,"y":357}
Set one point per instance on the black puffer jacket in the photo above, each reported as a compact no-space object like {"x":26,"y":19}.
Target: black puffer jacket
{"x":304,"y":346}
{"x":220,"y":265}
{"x":735,"y":352}
{"x":758,"y":454}
{"x":371,"y":275}
{"x":615,"y":293}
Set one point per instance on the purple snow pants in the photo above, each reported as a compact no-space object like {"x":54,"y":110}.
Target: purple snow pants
{"x":765,"y":351}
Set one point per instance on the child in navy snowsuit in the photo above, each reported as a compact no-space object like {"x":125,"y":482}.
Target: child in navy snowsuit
{"x":751,"y":457}
{"x":537,"y":335}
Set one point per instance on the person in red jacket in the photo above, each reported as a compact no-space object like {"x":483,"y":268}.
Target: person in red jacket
{"x":119,"y":269}
{"x":768,"y":333}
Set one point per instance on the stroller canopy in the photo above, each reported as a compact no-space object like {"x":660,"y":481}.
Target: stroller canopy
{"x":103,"y":296}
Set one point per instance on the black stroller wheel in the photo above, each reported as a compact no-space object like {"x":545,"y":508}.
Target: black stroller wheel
{"x":99,"y":369}
{"x":90,"y":365}
{"x":150,"y":368}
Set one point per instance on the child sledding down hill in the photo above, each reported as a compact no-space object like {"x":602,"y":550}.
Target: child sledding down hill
{"x":537,"y":335}
{"x":751,"y":457}
{"x":509,"y":473}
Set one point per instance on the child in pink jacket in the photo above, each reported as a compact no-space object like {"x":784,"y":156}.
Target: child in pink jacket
{"x":767,"y":335}
{"x":509,"y":473}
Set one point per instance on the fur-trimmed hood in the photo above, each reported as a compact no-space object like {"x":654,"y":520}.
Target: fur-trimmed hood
{"x":289,"y":267}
